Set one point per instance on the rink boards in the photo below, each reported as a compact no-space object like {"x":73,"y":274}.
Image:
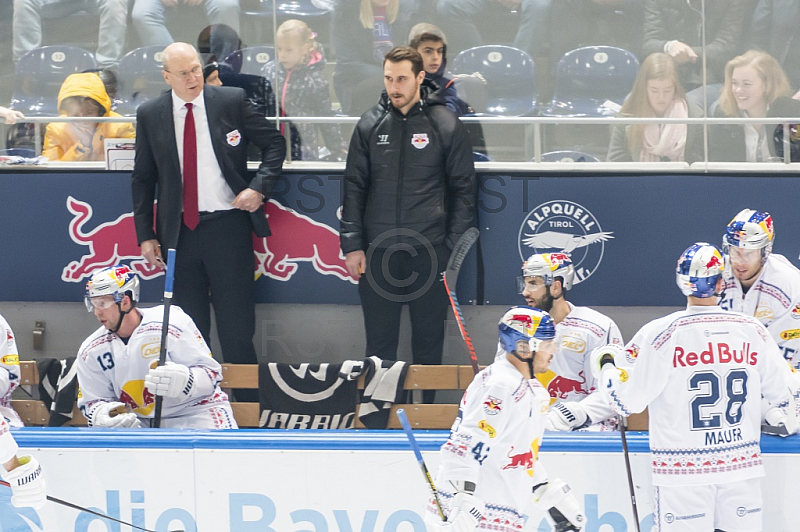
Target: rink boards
{"x":321,"y":481}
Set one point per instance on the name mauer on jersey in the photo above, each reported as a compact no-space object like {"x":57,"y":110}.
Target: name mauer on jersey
{"x":714,"y":353}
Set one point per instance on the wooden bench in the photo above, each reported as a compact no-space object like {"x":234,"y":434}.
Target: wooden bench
{"x":245,"y":376}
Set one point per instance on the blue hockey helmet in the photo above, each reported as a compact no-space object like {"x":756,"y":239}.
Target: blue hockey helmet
{"x":525,"y":323}
{"x":699,"y":269}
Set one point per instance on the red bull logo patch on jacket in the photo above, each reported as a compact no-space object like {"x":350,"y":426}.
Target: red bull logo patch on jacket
{"x":492,"y":406}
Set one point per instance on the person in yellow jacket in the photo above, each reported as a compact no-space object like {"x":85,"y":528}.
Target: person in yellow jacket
{"x":83,"y":95}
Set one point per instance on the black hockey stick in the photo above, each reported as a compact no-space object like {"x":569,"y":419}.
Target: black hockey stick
{"x":162,"y":354}
{"x":623,"y":427}
{"x":460,"y":251}
{"x":401,"y":415}
{"x":87,"y":510}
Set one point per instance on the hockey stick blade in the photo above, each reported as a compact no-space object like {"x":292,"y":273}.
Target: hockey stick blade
{"x":401,"y":415}
{"x":460,"y":251}
{"x":87,"y":510}
{"x":162,"y":354}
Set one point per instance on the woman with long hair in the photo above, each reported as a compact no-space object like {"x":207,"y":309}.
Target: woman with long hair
{"x":753,"y":81}
{"x":657,"y":93}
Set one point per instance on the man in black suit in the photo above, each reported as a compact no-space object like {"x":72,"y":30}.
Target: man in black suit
{"x":191,"y":156}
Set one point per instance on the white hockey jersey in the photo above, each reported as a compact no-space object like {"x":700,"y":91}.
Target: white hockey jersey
{"x":774,"y":299}
{"x":702,"y":372}
{"x":9,"y":373}
{"x":494,"y":443}
{"x":111,"y":370}
{"x":570,"y":376}
{"x":8,"y":447}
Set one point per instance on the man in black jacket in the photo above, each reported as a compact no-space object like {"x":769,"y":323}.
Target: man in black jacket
{"x":409,"y":194}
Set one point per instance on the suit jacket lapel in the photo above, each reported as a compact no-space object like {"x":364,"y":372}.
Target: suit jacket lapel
{"x":213,"y":115}
{"x":169,"y":132}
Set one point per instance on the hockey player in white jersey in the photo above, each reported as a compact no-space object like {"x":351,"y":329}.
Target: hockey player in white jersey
{"x":23,"y":473}
{"x":701,"y":372}
{"x":761,"y":283}
{"x":489,"y":475}
{"x":545,"y":280}
{"x":9,"y":373}
{"x":116,"y":365}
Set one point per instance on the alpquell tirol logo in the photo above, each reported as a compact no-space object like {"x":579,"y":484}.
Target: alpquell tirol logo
{"x":562,"y":226}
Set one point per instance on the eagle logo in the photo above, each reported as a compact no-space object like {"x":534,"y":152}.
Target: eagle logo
{"x":562,"y":226}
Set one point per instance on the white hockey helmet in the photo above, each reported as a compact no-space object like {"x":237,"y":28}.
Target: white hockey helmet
{"x":699,"y":269}
{"x":750,"y":230}
{"x":525,"y":323}
{"x":118,"y":281}
{"x":548,"y":266}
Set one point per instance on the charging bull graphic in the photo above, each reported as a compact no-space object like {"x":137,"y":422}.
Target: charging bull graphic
{"x":296,"y":238}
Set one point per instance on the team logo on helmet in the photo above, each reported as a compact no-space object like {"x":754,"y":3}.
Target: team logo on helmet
{"x":564,"y":229}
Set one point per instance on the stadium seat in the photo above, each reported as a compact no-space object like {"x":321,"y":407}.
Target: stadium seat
{"x":588,"y":77}
{"x":18,"y":152}
{"x":568,"y":156}
{"x":292,"y":8}
{"x":139,"y":78}
{"x":254,"y":14}
{"x":39,"y":74}
{"x":510,"y":78}
{"x":249,"y":60}
{"x":479,"y":157}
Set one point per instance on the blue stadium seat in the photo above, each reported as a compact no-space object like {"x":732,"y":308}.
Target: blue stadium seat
{"x":510,"y":76}
{"x":479,"y":157}
{"x":18,"y":152}
{"x":250,"y":60}
{"x":588,"y":77}
{"x":568,"y":156}
{"x":39,"y":74}
{"x":292,"y":8}
{"x":139,"y":78}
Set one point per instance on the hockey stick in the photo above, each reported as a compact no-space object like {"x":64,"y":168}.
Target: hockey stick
{"x":623,"y":427}
{"x":162,"y":354}
{"x":87,"y":510}
{"x":401,"y":415}
{"x":460,"y":251}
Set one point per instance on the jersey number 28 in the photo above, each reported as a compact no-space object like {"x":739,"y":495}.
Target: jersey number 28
{"x":707,"y":383}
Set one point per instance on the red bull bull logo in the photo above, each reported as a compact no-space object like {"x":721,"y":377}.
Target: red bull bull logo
{"x":715,"y":262}
{"x":296,"y":238}
{"x":562,"y":387}
{"x":522,"y":460}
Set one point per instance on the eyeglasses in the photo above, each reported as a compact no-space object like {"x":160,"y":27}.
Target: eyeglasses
{"x":196,"y":71}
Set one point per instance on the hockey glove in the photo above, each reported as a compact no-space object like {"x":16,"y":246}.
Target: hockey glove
{"x":604,"y":355}
{"x":466,"y":512}
{"x":566,"y":417}
{"x":170,"y":380}
{"x":27,"y":483}
{"x":114,"y":415}
{"x":562,"y":509}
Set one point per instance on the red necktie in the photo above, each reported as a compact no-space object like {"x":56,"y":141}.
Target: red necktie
{"x":191,"y":216}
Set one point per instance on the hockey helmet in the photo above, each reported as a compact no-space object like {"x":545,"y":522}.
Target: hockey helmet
{"x":750,"y":230}
{"x":699,"y":269}
{"x":548,"y":266}
{"x":528,"y":324}
{"x":117,"y":281}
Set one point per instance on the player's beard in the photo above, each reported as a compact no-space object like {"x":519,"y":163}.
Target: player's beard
{"x":546,"y":303}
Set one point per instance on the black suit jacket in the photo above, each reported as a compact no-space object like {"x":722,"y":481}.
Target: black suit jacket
{"x":157,"y":171}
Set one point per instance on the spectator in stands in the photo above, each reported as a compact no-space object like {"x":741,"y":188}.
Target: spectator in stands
{"x":211,"y":74}
{"x":362,"y":32}
{"x":10,"y":116}
{"x":657,"y":92}
{"x":752,"y":82}
{"x":298,"y":74}
{"x":83,"y":95}
{"x":775,"y":29}
{"x":149,"y":17}
{"x":28,"y":15}
{"x":218,"y":42}
{"x":674,"y":27}
{"x":124,"y":344}
{"x":460,"y":17}
{"x":431,"y":44}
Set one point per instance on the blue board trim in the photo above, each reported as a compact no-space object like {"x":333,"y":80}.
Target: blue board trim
{"x":331,"y":440}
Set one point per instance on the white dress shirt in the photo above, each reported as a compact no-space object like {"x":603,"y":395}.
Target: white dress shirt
{"x":213,"y":192}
